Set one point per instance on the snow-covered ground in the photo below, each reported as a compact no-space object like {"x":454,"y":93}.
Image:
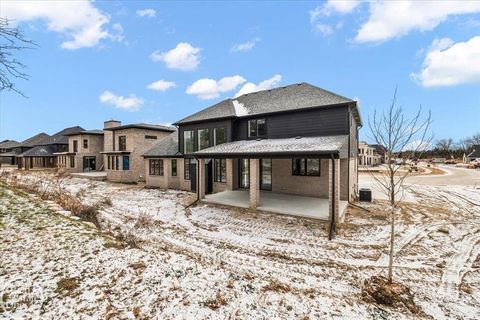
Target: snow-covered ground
{"x":208,"y":262}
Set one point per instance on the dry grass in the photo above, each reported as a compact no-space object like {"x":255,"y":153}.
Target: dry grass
{"x":67,"y":286}
{"x":276,"y":286}
{"x":216,"y":302}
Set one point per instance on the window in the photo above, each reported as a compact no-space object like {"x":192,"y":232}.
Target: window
{"x":72,"y":161}
{"x":174,"y":167}
{"x":108,"y":162}
{"x":85,"y":144}
{"x":156,"y":167}
{"x":116,"y":163}
{"x":257,"y":128}
{"x":122,"y":143}
{"x":188,"y":142}
{"x":75,"y":146}
{"x":186,"y":169}
{"x":126,"y":163}
{"x":220,"y":170}
{"x":244,"y":173}
{"x":306,"y":167}
{"x":219,"y":135}
{"x":151,"y":137}
{"x":203,"y":139}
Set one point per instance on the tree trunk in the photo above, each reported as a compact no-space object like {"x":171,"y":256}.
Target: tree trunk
{"x":392,"y":236}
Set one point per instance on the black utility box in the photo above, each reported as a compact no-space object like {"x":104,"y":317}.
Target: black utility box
{"x":365,"y":195}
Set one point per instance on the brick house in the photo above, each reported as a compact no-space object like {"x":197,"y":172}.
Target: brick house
{"x":84,"y":152}
{"x":124,"y":147}
{"x":11,"y":154}
{"x":289,"y":150}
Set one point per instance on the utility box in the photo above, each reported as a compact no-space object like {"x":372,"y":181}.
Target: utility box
{"x":365,"y":195}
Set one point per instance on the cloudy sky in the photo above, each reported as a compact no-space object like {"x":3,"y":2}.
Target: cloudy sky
{"x":159,"y":62}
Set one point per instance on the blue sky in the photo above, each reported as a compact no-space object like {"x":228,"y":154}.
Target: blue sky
{"x":96,"y":60}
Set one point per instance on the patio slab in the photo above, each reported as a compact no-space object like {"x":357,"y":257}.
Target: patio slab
{"x":309,"y":207}
{"x":92,"y":175}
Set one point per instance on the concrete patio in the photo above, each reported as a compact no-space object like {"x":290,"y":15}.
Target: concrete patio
{"x":92,"y":175}
{"x":308,"y":207}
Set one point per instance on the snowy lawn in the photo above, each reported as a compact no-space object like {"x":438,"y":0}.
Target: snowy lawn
{"x":208,"y":262}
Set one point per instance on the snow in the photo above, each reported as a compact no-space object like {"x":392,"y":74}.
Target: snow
{"x":240,"y":109}
{"x":183,"y":256}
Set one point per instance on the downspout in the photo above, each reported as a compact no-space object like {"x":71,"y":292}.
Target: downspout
{"x":198,"y":177}
{"x":332,"y":217}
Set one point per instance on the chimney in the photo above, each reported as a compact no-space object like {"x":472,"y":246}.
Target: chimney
{"x":111,"y":124}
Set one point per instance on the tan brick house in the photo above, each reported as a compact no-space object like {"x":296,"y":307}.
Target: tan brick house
{"x":124,"y":147}
{"x":84,"y":152}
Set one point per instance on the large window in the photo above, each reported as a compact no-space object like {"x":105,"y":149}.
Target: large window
{"x":306,"y":167}
{"x":122,"y":143}
{"x":220,"y":170}
{"x":75,"y":146}
{"x":203,"y":139}
{"x":244,"y":173}
{"x":126,"y":163}
{"x":219,"y":135}
{"x":85,"y":143}
{"x":156,"y":167}
{"x":188,"y":142}
{"x":257,"y":128}
{"x":72,"y":161}
{"x":116,"y":163}
{"x":174,"y":167}
{"x":186,"y":169}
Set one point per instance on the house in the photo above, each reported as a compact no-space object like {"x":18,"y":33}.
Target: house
{"x":289,"y":150}
{"x":475,"y":154}
{"x":12,"y":156}
{"x":381,"y":151}
{"x":124,"y":147}
{"x":44,"y":153}
{"x":84,"y":152}
{"x":6,"y":147}
{"x":367,"y":155}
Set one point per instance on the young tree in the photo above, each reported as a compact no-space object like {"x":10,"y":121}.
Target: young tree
{"x":444,"y":146}
{"x":401,"y":136}
{"x":12,"y":40}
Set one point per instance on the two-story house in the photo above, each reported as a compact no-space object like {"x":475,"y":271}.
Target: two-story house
{"x":124,"y":147}
{"x":84,"y":152}
{"x":290,"y":150}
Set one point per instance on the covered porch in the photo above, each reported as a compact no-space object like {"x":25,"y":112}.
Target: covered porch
{"x":308,"y":207}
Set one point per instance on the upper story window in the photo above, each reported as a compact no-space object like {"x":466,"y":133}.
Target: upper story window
{"x":151,"y":137}
{"x":188,"y":142}
{"x":219,"y":135}
{"x":203,"y":139}
{"x":85,"y":144}
{"x":257,"y":128}
{"x":122,"y":143}
{"x":75,"y":146}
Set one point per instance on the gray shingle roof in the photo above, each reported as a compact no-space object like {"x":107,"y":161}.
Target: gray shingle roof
{"x":9,"y":144}
{"x":288,"y":98}
{"x":305,"y":145}
{"x":39,"y":151}
{"x":167,"y":147}
{"x":476,"y":152}
{"x":33,"y":141}
{"x":143,"y":126}
{"x":61,"y":136}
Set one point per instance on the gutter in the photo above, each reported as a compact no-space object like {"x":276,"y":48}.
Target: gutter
{"x":332,"y":217}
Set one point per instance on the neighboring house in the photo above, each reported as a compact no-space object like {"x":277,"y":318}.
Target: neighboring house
{"x":84,"y":152}
{"x":124,"y":147}
{"x":44,"y":153}
{"x":294,"y":140}
{"x":12,"y":156}
{"x":6,"y":147}
{"x":475,"y":154}
{"x":367,"y":155}
{"x":380,"y":151}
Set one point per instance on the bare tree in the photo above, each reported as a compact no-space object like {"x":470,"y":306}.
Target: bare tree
{"x":475,"y":139}
{"x":444,"y":146}
{"x":401,"y":136}
{"x":12,"y":41}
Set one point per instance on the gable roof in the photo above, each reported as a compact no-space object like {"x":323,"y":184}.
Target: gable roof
{"x":288,"y":98}
{"x":476,"y":152}
{"x":33,"y":141}
{"x":9,"y":144}
{"x":167,"y":147}
{"x":61,"y":136}
{"x":39,"y":151}
{"x":143,"y":126}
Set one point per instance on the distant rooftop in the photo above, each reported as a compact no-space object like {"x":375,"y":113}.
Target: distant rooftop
{"x":143,"y":126}
{"x":33,"y":141}
{"x":9,"y":144}
{"x":61,"y":136}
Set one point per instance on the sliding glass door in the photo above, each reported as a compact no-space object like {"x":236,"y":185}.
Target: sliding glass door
{"x":266,"y":174}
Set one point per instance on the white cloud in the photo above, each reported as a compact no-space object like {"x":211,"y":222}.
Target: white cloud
{"x":448,"y":63}
{"x":393,"y":19}
{"x":184,"y":57}
{"x":161,"y":85}
{"x":210,"y":89}
{"x":80,"y":22}
{"x":148,"y":13}
{"x":264,"y":85}
{"x":247,"y":46}
{"x":324,"y":29}
{"x":131,"y":103}
{"x":332,"y":6}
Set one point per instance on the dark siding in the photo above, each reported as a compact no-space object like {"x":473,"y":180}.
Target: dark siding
{"x":210,"y":125}
{"x":320,"y":122}
{"x":353,"y":137}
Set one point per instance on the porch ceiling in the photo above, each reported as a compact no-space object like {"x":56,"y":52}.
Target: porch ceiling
{"x":309,"y":207}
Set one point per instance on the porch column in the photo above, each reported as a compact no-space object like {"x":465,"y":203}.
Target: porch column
{"x":333,"y":195}
{"x":201,"y":178}
{"x":229,"y":174}
{"x":254,"y":183}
